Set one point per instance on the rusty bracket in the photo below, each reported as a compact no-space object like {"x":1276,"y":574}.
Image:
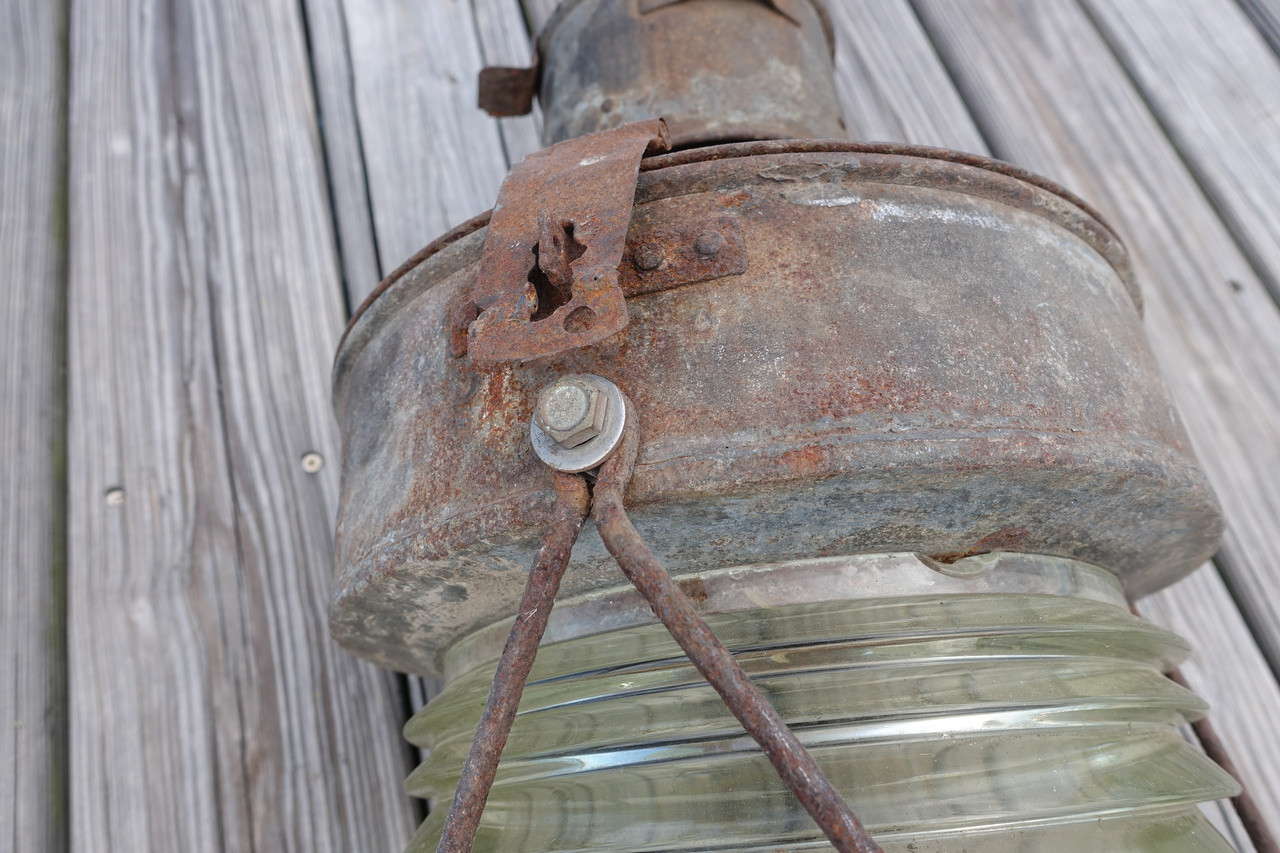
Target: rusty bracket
{"x":506,"y":91}
{"x":548,"y":279}
{"x":787,"y":8}
{"x":688,"y":253}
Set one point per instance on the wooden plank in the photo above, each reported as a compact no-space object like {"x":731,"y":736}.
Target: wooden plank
{"x":891,"y":85}
{"x":1214,"y":84}
{"x":33,"y":736}
{"x":433,"y":159}
{"x":343,"y":148}
{"x":1266,"y":17}
{"x":504,"y":40}
{"x":1049,"y":95}
{"x":209,"y":708}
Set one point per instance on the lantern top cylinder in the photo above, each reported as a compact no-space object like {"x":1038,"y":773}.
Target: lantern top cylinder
{"x":716,"y":70}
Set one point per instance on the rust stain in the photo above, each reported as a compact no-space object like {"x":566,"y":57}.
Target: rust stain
{"x":1008,"y":539}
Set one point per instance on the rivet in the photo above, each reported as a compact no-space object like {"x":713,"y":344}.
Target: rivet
{"x":648,"y":257}
{"x":708,"y":243}
{"x":312,"y":462}
{"x":115,"y":496}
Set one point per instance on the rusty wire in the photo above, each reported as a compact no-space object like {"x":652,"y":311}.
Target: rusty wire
{"x":572,"y":503}
{"x":1255,"y":826}
{"x":674,"y":609}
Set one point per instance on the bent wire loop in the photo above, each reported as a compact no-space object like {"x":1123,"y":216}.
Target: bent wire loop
{"x":673,"y":608}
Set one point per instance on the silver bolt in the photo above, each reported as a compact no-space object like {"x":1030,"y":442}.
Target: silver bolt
{"x":570,"y":411}
{"x":115,"y":496}
{"x":312,"y":462}
{"x":708,"y":243}
{"x":578,"y":422}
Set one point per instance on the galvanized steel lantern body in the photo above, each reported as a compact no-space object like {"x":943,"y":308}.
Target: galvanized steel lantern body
{"x":891,"y":350}
{"x":716,"y":70}
{"x":902,"y":441}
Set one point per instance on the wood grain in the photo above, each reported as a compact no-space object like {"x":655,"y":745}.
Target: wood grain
{"x":209,"y":708}
{"x":1049,"y":95}
{"x":1214,"y":84}
{"x":891,"y":85}
{"x":1266,"y":17}
{"x":343,"y":148}
{"x":537,"y":12}
{"x":33,"y":736}
{"x":432,"y":158}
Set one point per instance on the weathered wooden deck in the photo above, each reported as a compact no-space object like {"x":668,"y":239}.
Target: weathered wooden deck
{"x":194,"y":193}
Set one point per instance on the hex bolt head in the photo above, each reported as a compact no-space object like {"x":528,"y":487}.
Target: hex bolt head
{"x":578,"y":422}
{"x":708,"y":243}
{"x":571,"y":412}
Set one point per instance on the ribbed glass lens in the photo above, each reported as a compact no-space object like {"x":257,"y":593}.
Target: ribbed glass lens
{"x":1001,"y":721}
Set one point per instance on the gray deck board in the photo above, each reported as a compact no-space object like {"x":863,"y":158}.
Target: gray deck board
{"x":343,"y":147}
{"x":1266,"y":17}
{"x":432,"y":158}
{"x":32,"y":653}
{"x":891,"y":84}
{"x":1214,"y":84}
{"x":504,"y":40}
{"x":1216,"y":342}
{"x":209,"y":708}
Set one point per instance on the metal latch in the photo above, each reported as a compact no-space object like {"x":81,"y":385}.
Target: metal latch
{"x":548,"y":280}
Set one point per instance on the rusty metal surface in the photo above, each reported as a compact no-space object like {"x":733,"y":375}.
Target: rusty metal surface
{"x":572,"y":505}
{"x":690,"y":253}
{"x":548,"y":281}
{"x":717,"y":70}
{"x":1076,"y":213}
{"x":673,"y":608}
{"x":505,"y":91}
{"x":922,"y":354}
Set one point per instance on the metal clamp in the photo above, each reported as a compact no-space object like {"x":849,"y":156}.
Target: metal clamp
{"x":548,"y":278}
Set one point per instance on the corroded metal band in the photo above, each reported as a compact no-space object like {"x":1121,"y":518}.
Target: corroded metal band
{"x":931,"y":354}
{"x":1073,"y":212}
{"x":717,"y":70}
{"x":744,"y":588}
